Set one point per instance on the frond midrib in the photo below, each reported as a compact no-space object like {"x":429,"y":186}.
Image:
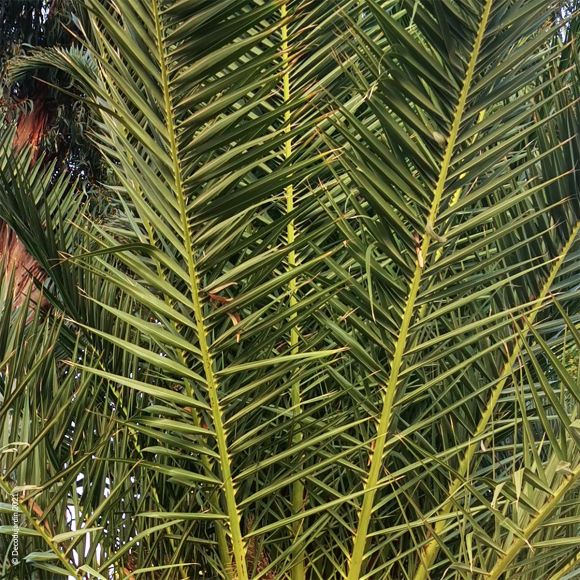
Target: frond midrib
{"x":432,"y":548}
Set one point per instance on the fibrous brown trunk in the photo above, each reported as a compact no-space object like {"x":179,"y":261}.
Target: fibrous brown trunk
{"x":31,"y":127}
{"x":18,"y":264}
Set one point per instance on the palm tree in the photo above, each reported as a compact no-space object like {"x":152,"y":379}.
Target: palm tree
{"x":326,"y":327}
{"x":46,"y":120}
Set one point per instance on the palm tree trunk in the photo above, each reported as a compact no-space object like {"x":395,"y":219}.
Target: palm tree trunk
{"x":17,"y":263}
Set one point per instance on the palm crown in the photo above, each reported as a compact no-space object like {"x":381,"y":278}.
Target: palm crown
{"x":327,"y":327}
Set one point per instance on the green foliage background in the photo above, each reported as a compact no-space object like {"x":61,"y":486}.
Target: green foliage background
{"x":311,"y":275}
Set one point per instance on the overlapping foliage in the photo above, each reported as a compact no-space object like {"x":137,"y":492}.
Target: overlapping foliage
{"x":328,"y":327}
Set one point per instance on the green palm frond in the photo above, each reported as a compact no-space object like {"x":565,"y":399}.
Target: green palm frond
{"x":447,"y":193}
{"x":328,"y":326}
